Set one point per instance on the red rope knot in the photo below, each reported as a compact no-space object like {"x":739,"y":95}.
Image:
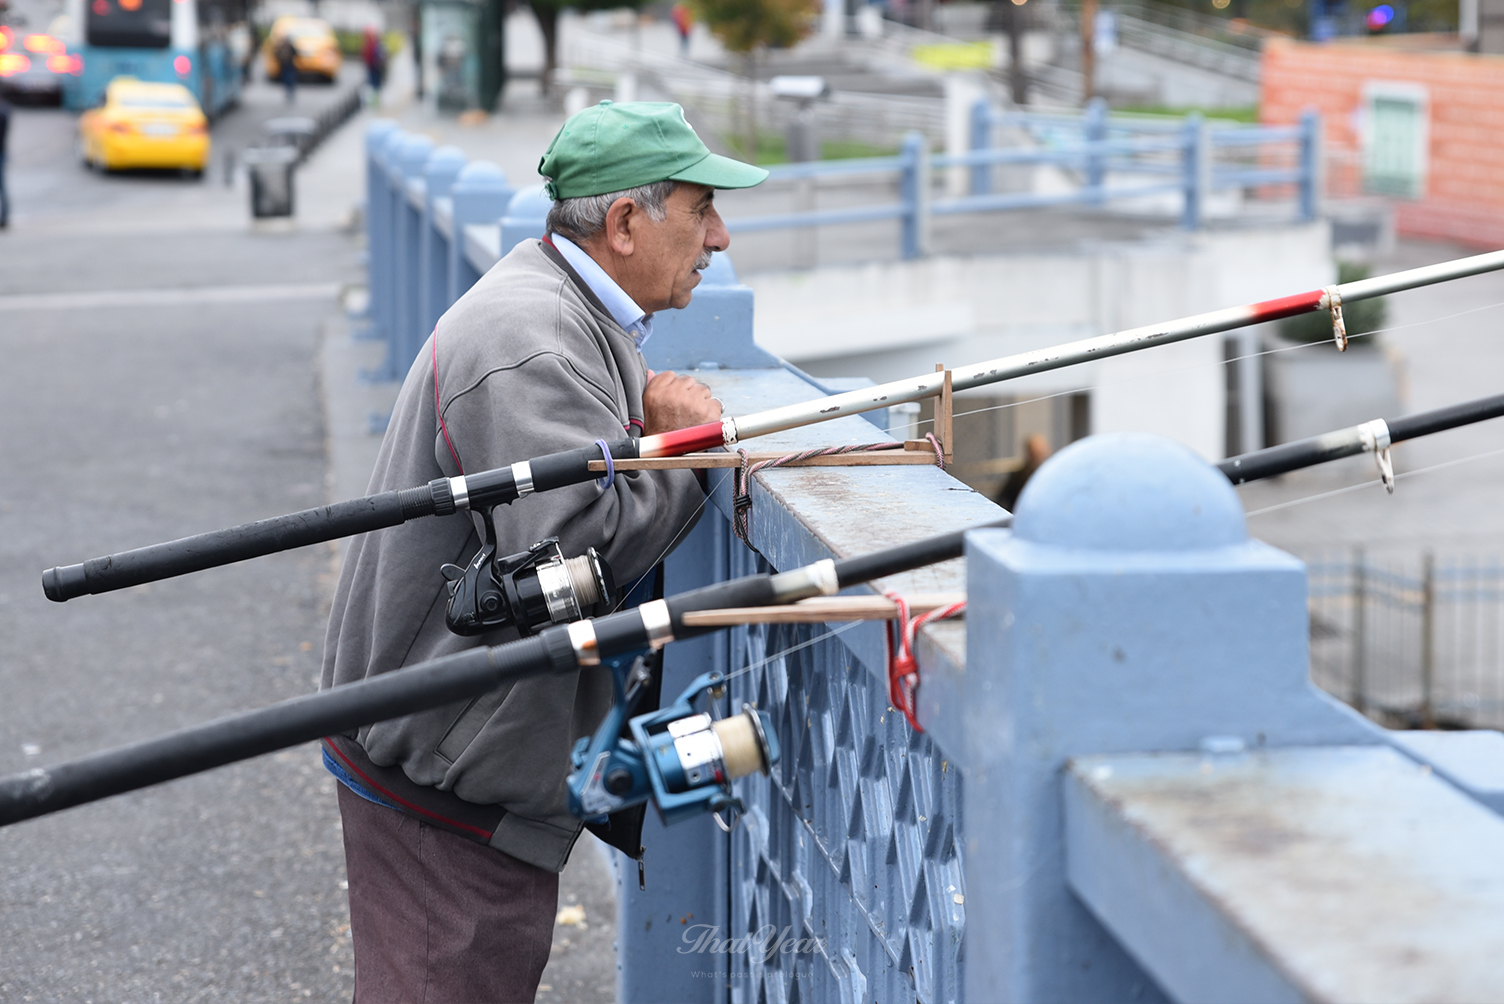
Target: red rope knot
{"x":903,"y":662}
{"x":939,"y":453}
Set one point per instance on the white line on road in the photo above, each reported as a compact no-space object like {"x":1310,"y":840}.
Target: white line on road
{"x":192,"y":297}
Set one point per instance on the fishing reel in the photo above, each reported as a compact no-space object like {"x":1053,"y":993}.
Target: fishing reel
{"x":682,"y":759}
{"x":528,"y":591}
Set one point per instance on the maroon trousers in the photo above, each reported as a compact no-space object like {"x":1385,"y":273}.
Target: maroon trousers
{"x":439,"y":919}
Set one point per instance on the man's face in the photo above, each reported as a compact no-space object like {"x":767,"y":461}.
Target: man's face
{"x":669,"y":255}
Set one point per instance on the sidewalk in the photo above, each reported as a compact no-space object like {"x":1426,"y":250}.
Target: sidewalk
{"x":331,"y":185}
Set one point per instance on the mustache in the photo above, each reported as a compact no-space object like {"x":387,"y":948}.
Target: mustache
{"x":703,"y":262}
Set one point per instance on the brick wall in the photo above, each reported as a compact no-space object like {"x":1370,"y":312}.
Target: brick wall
{"x":1463,"y":198}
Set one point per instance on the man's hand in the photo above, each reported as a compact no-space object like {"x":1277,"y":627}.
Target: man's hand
{"x":671,"y":401}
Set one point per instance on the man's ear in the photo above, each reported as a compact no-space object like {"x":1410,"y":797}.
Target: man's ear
{"x":620,"y":220}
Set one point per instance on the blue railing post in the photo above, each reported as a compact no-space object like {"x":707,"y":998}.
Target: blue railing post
{"x":525,"y":218}
{"x":480,"y":195}
{"x":1310,"y":164}
{"x":386,"y":191}
{"x":981,"y":139}
{"x":443,"y":166}
{"x":405,"y":165}
{"x":378,"y":230}
{"x":1094,"y":130}
{"x":914,"y":191}
{"x":1127,"y":611}
{"x":1195,"y":171}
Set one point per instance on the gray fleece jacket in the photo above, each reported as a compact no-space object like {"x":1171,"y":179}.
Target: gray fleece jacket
{"x":528,"y":363}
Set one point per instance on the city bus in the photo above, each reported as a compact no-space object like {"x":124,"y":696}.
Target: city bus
{"x":205,"y":45}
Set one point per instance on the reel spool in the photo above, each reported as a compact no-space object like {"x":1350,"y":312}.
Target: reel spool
{"x":681,"y":759}
{"x":528,"y":591}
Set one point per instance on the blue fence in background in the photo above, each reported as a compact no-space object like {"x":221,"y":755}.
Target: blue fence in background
{"x":1100,"y":149}
{"x":1118,"y":795}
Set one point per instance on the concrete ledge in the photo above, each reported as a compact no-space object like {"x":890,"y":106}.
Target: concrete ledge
{"x":1334,"y":874}
{"x":801,"y":515}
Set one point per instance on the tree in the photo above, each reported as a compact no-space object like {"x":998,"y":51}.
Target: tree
{"x":547,"y":13}
{"x":746,"y":27}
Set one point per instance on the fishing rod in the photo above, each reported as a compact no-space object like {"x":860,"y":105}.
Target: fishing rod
{"x":483,"y":491}
{"x":566,"y":647}
{"x":1370,"y":437}
{"x":560,"y":648}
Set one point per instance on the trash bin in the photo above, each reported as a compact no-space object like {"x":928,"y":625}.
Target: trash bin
{"x":270,"y":170}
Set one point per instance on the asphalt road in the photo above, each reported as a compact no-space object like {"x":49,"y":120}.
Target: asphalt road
{"x":127,"y":419}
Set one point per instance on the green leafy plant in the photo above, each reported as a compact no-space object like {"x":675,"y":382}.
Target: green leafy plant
{"x":746,"y":27}
{"x":1360,"y":316}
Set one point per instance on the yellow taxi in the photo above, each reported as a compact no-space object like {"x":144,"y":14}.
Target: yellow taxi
{"x":315,"y":49}
{"x":144,"y":124}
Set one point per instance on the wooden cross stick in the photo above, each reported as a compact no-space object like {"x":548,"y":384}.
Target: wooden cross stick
{"x":821,"y":609}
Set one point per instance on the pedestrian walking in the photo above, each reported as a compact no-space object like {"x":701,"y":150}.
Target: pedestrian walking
{"x":287,"y":67}
{"x":4,"y":132}
{"x":684,"y":21}
{"x":373,"y":54}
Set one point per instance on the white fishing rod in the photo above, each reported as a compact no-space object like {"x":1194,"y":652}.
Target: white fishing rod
{"x":483,"y":491}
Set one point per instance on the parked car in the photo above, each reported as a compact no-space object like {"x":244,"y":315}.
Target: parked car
{"x":316,"y":50}
{"x":145,"y":124}
{"x":34,"y":63}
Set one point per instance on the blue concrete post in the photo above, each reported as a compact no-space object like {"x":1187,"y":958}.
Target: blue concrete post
{"x":714,"y":331}
{"x":1094,"y":130}
{"x":685,"y":867}
{"x":480,"y":195}
{"x":1310,"y":164}
{"x":1127,"y":611}
{"x":405,"y":164}
{"x":914,"y":193}
{"x":443,"y":166}
{"x":378,"y":229}
{"x":1194,"y":171}
{"x":981,"y":139}
{"x":525,"y":217}
{"x":386,"y":191}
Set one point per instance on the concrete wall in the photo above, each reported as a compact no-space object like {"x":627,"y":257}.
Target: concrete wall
{"x":1463,"y":194}
{"x":886,"y":320}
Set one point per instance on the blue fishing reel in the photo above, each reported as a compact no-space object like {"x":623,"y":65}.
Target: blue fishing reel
{"x":682,"y":759}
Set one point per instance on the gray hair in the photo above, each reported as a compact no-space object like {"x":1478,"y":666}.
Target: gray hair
{"x":581,"y":218}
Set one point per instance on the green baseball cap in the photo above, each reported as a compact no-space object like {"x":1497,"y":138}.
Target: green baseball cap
{"x":612,"y":147}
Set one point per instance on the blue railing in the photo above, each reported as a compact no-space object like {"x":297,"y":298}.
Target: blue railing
{"x":1099,"y":147}
{"x":1116,"y":795}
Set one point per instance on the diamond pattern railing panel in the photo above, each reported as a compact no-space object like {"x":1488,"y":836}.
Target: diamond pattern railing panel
{"x":845,"y":869}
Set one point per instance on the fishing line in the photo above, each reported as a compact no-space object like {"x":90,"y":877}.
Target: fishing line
{"x":1376,"y":481}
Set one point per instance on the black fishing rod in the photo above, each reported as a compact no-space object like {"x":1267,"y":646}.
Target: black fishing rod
{"x":1371,"y":437}
{"x":558,"y":649}
{"x":565,"y":647}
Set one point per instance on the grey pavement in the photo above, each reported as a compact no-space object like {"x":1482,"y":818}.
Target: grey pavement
{"x":165,"y":375}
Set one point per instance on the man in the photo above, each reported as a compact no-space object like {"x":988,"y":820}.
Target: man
{"x":455,"y":820}
{"x":287,"y":65}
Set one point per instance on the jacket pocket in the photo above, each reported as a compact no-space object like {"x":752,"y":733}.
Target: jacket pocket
{"x":468,"y":723}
